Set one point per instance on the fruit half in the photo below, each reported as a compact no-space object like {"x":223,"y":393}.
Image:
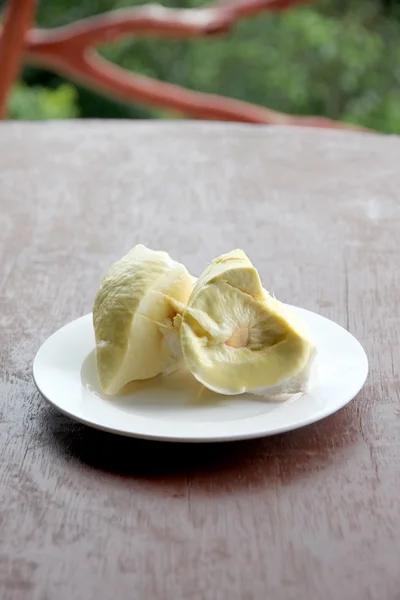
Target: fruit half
{"x":135,"y":317}
{"x":237,"y":338}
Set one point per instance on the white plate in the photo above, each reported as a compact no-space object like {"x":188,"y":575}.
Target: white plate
{"x":172,"y":408}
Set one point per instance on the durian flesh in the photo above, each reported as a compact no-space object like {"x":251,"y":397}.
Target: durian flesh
{"x":237,"y":338}
{"x":135,"y":317}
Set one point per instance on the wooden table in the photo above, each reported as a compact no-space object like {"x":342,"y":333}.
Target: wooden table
{"x":313,"y":514}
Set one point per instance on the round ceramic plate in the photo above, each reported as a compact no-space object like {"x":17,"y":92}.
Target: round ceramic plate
{"x":177,"y":407}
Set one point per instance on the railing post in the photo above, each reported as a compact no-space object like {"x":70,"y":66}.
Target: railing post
{"x":18,"y":19}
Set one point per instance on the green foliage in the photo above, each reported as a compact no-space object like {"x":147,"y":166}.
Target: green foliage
{"x":37,"y":103}
{"x":339,"y":58}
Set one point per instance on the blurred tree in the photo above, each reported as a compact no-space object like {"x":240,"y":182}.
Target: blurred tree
{"x":37,"y":102}
{"x":335,"y":58}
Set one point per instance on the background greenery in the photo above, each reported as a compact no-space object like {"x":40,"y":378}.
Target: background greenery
{"x":338,"y":58}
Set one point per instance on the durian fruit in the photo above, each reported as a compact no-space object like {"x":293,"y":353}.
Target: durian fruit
{"x":135,"y":317}
{"x":237,"y":338}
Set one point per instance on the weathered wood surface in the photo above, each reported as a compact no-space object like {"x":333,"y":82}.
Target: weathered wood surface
{"x":310,"y":514}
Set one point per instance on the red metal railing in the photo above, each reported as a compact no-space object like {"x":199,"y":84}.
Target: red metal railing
{"x":70,"y":51}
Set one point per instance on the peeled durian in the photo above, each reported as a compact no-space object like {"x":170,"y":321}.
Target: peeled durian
{"x":136,"y":318}
{"x":237,"y":338}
